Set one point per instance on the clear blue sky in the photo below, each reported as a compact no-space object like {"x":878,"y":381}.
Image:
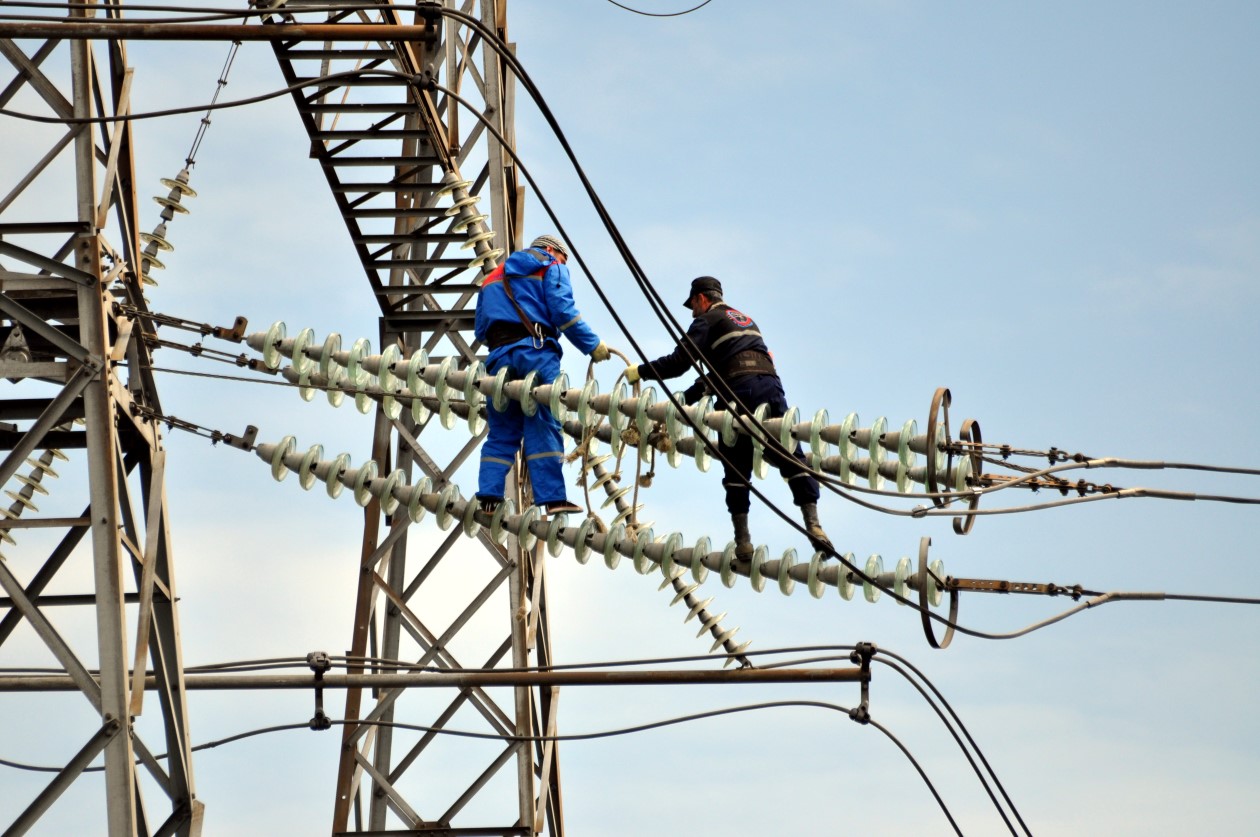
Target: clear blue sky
{"x":1052,"y":209}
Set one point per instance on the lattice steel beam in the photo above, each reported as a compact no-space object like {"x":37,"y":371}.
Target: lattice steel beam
{"x":78,"y":365}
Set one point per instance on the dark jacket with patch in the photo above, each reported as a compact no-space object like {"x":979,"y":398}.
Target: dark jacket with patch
{"x":730,"y":345}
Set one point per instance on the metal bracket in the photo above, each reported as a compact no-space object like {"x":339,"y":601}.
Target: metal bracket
{"x":862,"y":655}
{"x":319,"y":663}
{"x":236,"y":333}
{"x":244,"y":442}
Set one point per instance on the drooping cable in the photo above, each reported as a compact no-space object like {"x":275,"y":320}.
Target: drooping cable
{"x":661,"y":14}
{"x":629,"y":730}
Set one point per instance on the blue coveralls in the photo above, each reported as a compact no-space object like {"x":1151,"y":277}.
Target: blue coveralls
{"x":543,"y":291}
{"x":725,"y":336}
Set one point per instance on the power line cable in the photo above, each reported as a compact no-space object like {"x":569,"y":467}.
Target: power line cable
{"x":633,"y":729}
{"x":661,"y":14}
{"x":211,"y":106}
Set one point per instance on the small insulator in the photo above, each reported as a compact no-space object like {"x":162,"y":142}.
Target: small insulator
{"x":608,"y":476}
{"x":157,"y":238}
{"x":711,"y":622}
{"x":672,"y":580}
{"x":614,"y":496}
{"x":466,"y":221}
{"x":180,"y":184}
{"x":684,"y":593}
{"x":22,"y":501}
{"x":170,"y":203}
{"x":736,"y":652}
{"x":43,"y":466}
{"x":722,"y":639}
{"x":30,"y":483}
{"x":4,"y":533}
{"x":474,"y":240}
{"x":450,"y":183}
{"x":695,"y":611}
{"x":461,"y":202}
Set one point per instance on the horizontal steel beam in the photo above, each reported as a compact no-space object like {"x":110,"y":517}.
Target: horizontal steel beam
{"x":465,"y":679}
{"x":116,"y":30}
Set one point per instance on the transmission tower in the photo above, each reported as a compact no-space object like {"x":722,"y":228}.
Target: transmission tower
{"x":406,"y":166}
{"x":70,"y":419}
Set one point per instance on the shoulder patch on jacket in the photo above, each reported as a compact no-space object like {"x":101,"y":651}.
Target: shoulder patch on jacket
{"x":739,"y":318}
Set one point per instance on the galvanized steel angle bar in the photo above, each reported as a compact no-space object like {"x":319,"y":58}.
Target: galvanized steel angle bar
{"x":547,"y":756}
{"x":44,"y":575}
{"x":391,"y":795}
{"x":51,"y":417}
{"x":51,"y":638}
{"x":440,"y":476}
{"x":35,"y":59}
{"x":115,"y":142}
{"x":32,"y":75}
{"x":437,"y":647}
{"x":484,"y":704}
{"x":452,"y":538}
{"x":443,"y":719}
{"x":50,"y":265}
{"x":65,"y":777}
{"x":396,"y":533}
{"x":42,"y":164}
{"x":482,"y":780}
{"x":154,"y":539}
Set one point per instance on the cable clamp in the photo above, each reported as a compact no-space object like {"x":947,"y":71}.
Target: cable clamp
{"x":319,"y":663}
{"x":862,"y":655}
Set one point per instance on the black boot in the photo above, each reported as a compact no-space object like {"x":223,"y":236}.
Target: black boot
{"x":743,"y":541}
{"x":817,"y":537}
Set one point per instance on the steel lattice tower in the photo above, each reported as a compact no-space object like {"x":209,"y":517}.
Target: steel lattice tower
{"x":405,"y":164}
{"x":78,"y":369}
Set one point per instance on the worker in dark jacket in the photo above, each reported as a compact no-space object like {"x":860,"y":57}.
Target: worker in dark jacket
{"x":523,"y":307}
{"x":732,"y":348}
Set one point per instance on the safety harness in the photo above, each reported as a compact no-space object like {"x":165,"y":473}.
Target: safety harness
{"x":501,"y":333}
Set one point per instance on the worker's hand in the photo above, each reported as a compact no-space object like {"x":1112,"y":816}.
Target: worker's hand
{"x":600,"y":353}
{"x":632,"y":374}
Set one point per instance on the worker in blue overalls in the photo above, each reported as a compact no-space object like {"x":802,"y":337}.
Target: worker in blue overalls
{"x":524,"y":306}
{"x":731,"y":346}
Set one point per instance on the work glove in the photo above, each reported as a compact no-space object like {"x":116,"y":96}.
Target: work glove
{"x":632,"y":374}
{"x":600,"y":353}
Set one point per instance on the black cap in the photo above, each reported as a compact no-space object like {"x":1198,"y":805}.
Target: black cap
{"x":702,"y":283}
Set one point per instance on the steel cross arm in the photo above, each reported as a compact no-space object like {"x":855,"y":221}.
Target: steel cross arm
{"x":115,"y":30}
{"x":466,"y":679}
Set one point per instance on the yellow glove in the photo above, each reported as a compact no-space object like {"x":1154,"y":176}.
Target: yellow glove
{"x":600,"y":353}
{"x":632,"y":374}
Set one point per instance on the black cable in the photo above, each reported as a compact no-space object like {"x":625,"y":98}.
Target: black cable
{"x":212,"y":106}
{"x":922,"y":774}
{"x":661,"y":14}
{"x":958,"y":721}
{"x":984,"y":782}
{"x":557,"y":738}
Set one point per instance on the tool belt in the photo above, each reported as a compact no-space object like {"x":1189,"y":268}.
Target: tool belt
{"x":750,"y":362}
{"x":503,"y":332}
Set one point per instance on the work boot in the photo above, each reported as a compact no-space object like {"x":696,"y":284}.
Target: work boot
{"x":817,"y":537}
{"x":489,"y":504}
{"x":743,"y":541}
{"x":563,"y":507}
